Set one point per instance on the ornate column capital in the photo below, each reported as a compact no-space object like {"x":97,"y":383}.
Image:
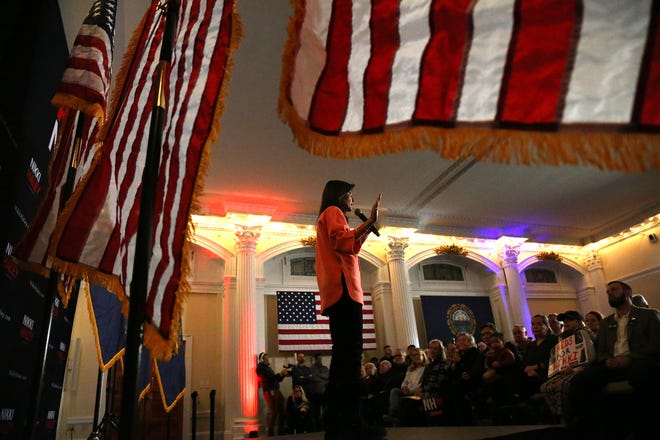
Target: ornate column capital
{"x":397,"y":248}
{"x":247,"y":237}
{"x":593,"y":262}
{"x":509,"y":253}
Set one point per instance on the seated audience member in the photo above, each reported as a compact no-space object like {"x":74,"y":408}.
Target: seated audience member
{"x":537,"y":356}
{"x":482,"y":400}
{"x":592,"y":320}
{"x":367,"y":376}
{"x":409,"y":352}
{"x":520,"y":338}
{"x":370,"y":370}
{"x":378,"y":392}
{"x":628,"y":349}
{"x":485,"y":330}
{"x":298,"y":411}
{"x":461,"y":384}
{"x":500,"y":371}
{"x":399,"y":365}
{"x":411,"y":381}
{"x":433,"y":384}
{"x":388,"y":354}
{"x":555,"y":324}
{"x":555,"y":389}
{"x":450,"y":347}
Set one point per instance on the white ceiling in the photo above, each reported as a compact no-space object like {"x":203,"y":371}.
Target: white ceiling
{"x":256,"y":164}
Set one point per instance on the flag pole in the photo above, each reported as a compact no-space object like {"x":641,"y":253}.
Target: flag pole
{"x":32,"y":426}
{"x":144,"y":239}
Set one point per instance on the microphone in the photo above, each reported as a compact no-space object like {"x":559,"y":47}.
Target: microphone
{"x":364,"y":218}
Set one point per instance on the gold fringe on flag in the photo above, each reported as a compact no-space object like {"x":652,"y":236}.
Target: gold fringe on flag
{"x":179,"y":396}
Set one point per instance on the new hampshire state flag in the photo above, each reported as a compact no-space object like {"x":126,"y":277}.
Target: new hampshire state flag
{"x":108,"y":324}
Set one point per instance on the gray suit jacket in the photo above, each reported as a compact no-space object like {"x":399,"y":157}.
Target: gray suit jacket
{"x":643,"y":335}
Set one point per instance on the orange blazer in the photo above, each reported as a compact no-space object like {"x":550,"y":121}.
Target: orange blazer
{"x":337,"y":247}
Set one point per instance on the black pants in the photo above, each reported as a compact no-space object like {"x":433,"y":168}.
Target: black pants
{"x":276,"y":412}
{"x":343,"y":391}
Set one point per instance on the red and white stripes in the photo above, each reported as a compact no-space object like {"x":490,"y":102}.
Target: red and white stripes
{"x":543,"y":64}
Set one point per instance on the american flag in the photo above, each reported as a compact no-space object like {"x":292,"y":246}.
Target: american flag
{"x":301,"y":327}
{"x":84,"y":87}
{"x":95,"y":236}
{"x":86,"y":80}
{"x":506,"y":80}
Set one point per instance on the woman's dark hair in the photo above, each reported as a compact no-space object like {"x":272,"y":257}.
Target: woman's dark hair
{"x":497,"y":335}
{"x":332,"y":192}
{"x":489,"y":325}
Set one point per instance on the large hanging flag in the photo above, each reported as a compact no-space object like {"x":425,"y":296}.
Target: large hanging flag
{"x":95,"y":235}
{"x":84,"y":88}
{"x":301,"y":327}
{"x":543,"y":82}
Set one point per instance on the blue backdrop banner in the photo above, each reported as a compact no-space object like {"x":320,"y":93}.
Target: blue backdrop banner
{"x":445,"y":316}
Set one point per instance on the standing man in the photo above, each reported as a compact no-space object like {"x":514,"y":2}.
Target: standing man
{"x":270,"y":386}
{"x":301,"y":374}
{"x":317,"y":386}
{"x":388,"y":355}
{"x":628,"y":349}
{"x":340,"y":288}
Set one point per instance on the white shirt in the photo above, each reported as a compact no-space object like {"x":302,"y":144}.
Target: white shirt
{"x":413,"y":379}
{"x":621,"y":346}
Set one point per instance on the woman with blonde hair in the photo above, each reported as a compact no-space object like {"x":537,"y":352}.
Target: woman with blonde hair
{"x":411,"y":381}
{"x":298,"y":411}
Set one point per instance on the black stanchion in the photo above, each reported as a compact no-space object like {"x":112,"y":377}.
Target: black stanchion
{"x":109,"y":419}
{"x":212,"y":426}
{"x":194,"y":397}
{"x":145,"y":422}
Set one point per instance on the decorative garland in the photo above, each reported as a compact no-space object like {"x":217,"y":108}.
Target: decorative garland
{"x":451,"y":249}
{"x":308,"y":241}
{"x":548,"y":256}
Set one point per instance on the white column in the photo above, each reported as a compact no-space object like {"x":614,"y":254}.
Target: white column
{"x":382,"y":301}
{"x":244,"y":332}
{"x":518,"y":307}
{"x":403,"y":311}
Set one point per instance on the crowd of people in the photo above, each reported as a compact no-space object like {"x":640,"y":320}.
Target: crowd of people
{"x":551,"y":376}
{"x":559,"y":373}
{"x":302,"y":410}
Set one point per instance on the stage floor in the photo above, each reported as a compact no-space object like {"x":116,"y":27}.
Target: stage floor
{"x":532,"y":432}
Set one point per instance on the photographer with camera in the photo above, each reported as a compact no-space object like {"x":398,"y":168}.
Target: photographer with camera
{"x":270,"y":386}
